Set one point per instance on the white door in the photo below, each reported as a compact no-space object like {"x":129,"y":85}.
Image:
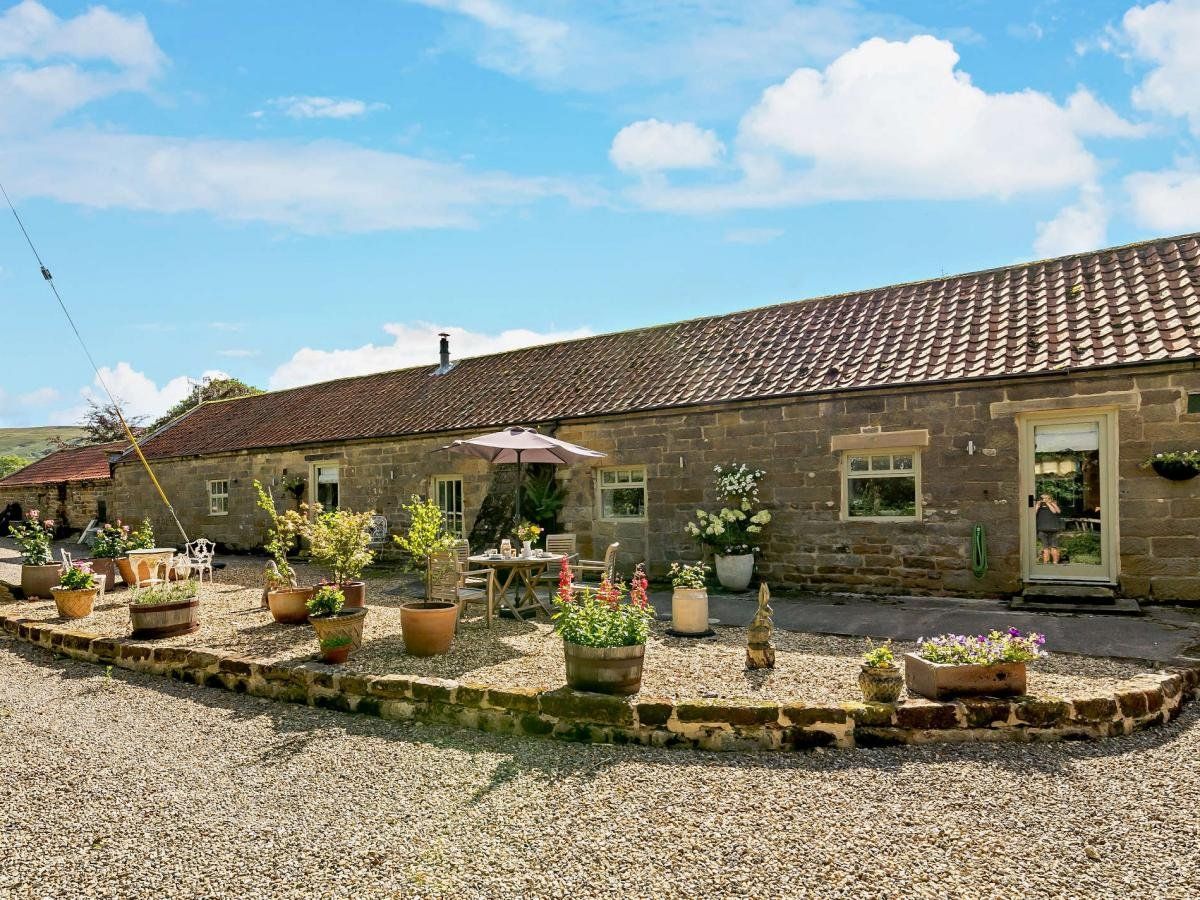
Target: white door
{"x":1069,"y":514}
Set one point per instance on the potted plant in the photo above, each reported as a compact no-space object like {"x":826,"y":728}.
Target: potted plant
{"x":38,"y":573}
{"x":75,"y":593}
{"x":287,"y":601}
{"x":106,"y":548}
{"x":689,"y":600}
{"x":733,"y":532}
{"x":164,"y":610}
{"x":604,"y":632}
{"x":880,"y":679}
{"x":339,"y":630}
{"x":141,"y":538}
{"x":954,"y":665}
{"x":339,"y":541}
{"x":426,"y":535}
{"x":1177,"y":465}
{"x":527,"y":533}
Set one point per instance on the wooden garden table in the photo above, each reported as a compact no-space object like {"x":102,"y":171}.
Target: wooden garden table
{"x":524,"y":574}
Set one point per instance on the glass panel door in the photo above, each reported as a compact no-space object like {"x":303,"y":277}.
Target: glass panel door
{"x":1067,"y":476}
{"x":328,"y":480}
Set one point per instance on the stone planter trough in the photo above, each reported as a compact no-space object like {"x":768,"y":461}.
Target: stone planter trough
{"x":937,"y":680}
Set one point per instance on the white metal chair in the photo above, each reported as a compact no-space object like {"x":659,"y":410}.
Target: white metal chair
{"x":598,"y":567}
{"x":450,"y":583}
{"x":199,"y":556}
{"x":379,"y":529}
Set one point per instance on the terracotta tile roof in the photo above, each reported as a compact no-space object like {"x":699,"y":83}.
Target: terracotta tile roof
{"x":1133,"y":304}
{"x":70,"y":464}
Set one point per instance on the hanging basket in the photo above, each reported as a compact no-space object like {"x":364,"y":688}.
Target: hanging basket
{"x":1174,"y":470}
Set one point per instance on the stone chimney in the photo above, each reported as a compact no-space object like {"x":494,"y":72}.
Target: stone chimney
{"x":444,"y":364}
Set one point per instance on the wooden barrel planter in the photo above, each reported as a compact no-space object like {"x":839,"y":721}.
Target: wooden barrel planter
{"x":160,"y":620}
{"x":605,"y":670}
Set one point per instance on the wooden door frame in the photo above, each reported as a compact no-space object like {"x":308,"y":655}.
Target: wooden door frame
{"x":1109,"y":492}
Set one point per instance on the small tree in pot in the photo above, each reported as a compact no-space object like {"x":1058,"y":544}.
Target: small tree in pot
{"x":340,"y":541}
{"x":38,"y":573}
{"x":339,"y":630}
{"x":425,"y":536}
{"x":689,"y":601}
{"x":286,"y":601}
{"x":604,"y":632}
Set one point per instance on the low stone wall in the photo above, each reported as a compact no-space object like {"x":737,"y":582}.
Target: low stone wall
{"x":1143,"y":701}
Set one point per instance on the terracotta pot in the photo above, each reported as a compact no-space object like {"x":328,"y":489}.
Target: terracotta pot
{"x":125,"y":569}
{"x":735,"y":572}
{"x":605,"y":670}
{"x":106,"y":568}
{"x":348,"y":624}
{"x":938,"y":680}
{"x":74,"y":604}
{"x":36,"y":581}
{"x":880,"y":684}
{"x":428,"y":627}
{"x":355,"y":592}
{"x":336,"y":656}
{"x":689,"y":611}
{"x":290,"y":605}
{"x":160,"y":620}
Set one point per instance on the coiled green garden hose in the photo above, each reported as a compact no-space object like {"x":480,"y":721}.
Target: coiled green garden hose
{"x":979,"y":563}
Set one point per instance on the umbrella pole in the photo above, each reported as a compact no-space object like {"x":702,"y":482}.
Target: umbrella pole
{"x":520,"y":478}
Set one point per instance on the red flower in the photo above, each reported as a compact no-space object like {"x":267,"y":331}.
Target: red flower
{"x":566,"y":590}
{"x":608,"y":592}
{"x":637,"y":589}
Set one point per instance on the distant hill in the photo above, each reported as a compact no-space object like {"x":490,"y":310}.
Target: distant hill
{"x":32,"y":443}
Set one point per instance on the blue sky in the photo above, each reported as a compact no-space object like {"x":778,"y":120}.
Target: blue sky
{"x":293,"y":193}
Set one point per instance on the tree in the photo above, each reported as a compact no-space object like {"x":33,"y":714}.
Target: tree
{"x":102,"y":424}
{"x":10,"y":462}
{"x":207,"y":389}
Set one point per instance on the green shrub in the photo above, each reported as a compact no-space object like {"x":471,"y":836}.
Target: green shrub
{"x":327,"y":601}
{"x":168,"y":592}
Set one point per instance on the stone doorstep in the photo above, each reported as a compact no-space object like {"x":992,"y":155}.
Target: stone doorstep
{"x":716,"y":724}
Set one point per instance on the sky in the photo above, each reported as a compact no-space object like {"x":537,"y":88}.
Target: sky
{"x":291,"y":193}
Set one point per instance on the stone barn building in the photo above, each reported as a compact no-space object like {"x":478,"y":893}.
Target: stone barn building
{"x":890,"y":422}
{"x":72,"y":485}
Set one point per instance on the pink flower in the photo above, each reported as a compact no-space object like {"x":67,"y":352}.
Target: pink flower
{"x":566,"y":589}
{"x":35,"y":514}
{"x":637,"y":589}
{"x":48,"y":524}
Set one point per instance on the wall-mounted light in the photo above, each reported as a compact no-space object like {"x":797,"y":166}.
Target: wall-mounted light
{"x":970,"y":448}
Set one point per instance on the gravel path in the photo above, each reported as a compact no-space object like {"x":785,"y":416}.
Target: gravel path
{"x":132,"y":786}
{"x":809,"y":667}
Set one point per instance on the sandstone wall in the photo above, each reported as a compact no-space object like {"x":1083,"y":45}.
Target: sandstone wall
{"x":78,"y":501}
{"x":807,"y":545}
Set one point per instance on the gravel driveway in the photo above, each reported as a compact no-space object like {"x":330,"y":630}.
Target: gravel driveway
{"x":132,"y":786}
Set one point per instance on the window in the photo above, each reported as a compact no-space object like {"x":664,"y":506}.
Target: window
{"x":448,"y":492}
{"x":881,"y":484}
{"x":1193,"y":403}
{"x":623,"y":493}
{"x":218,"y":498}
{"x":326,"y":480}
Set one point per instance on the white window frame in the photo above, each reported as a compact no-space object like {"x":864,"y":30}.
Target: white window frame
{"x":847,"y":476}
{"x":315,"y":489}
{"x":436,"y":493}
{"x":214,"y":496}
{"x":602,"y":486}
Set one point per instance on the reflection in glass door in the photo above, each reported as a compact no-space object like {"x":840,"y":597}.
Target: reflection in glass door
{"x":1067,"y":476}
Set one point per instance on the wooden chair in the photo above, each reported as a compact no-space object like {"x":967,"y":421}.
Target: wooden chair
{"x":598,"y":567}
{"x":449,"y":583}
{"x":462,"y":552}
{"x":562,"y":543}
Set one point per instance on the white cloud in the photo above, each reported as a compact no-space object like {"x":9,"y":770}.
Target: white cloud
{"x":312,"y":187}
{"x":1167,"y":201}
{"x":891,"y":120}
{"x":705,"y":49}
{"x":227,"y":326}
{"x":1167,"y":34}
{"x":138,"y":394}
{"x":412,"y":344}
{"x":651,"y":145}
{"x":752,"y":235}
{"x":1092,"y":117}
{"x":50,"y":66}
{"x":1081,"y":226}
{"x":324,"y":107}
{"x":23,"y":409}
{"x":238,"y":353}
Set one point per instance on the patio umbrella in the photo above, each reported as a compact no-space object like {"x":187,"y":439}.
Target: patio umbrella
{"x":521,"y":445}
